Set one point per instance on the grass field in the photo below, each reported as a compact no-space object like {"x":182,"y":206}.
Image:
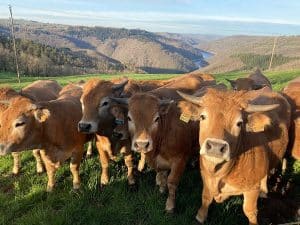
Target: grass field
{"x":23,"y":199}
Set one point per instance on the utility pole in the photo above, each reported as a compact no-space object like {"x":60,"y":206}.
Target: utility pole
{"x":273,"y":51}
{"x":14,"y":42}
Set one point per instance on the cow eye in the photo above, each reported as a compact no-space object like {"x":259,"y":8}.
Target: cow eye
{"x":104,"y":103}
{"x":239,"y":124}
{"x":202,"y":117}
{"x":156,"y":119}
{"x":128,"y":118}
{"x":19,"y":124}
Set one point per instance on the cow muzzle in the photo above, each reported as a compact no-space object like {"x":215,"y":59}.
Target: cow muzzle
{"x":87,"y":127}
{"x":4,"y":149}
{"x":142,"y":145}
{"x":216,"y":149}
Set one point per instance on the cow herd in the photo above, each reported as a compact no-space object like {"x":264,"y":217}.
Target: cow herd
{"x":239,"y":136}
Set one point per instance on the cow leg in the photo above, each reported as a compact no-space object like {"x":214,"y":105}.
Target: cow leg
{"x":250,"y":206}
{"x":264,"y":187}
{"x":129,"y":164}
{"x":162,"y":180}
{"x":74,"y":167}
{"x":38,"y":159}
{"x":142,"y":162}
{"x":207,"y":199}
{"x":177,"y":169}
{"x":16,"y":162}
{"x":50,"y":169}
{"x":89,"y":151}
{"x":104,"y":161}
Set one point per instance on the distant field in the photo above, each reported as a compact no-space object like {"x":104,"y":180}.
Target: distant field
{"x":278,"y":79}
{"x":23,"y":199}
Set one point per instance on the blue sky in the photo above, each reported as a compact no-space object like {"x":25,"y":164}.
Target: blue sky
{"x":223,"y":17}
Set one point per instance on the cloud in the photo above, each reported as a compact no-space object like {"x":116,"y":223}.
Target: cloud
{"x":145,"y":16}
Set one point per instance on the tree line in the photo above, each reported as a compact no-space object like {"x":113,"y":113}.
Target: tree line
{"x":43,"y":60}
{"x":252,"y":61}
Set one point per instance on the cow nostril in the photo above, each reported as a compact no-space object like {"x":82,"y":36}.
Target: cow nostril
{"x":208,"y":146}
{"x":147,"y":144}
{"x":136,"y":145}
{"x":223,"y":149}
{"x":85,"y":126}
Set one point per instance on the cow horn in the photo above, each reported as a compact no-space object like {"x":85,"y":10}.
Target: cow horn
{"x":190,"y":98}
{"x":123,"y":101}
{"x":165,"y":102}
{"x":260,"y":108}
{"x":116,"y":87}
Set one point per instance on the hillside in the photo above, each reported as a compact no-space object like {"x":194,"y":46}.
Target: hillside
{"x":113,"y":48}
{"x":246,"y":52}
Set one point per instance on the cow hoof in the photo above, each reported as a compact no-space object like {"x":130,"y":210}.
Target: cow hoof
{"x":170,"y":211}
{"x":49,"y":189}
{"x":132,"y":187}
{"x":162,"y":190}
{"x":88,"y":156}
{"x":102,"y":187}
{"x":263,"y":195}
{"x":40,"y":171}
{"x":76,"y":186}
{"x":15,"y":174}
{"x":199,"y":219}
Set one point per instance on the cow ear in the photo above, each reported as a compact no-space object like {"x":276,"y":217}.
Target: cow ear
{"x":258,"y":122}
{"x":119,"y":88}
{"x":189,"y":111}
{"x":232,"y":83}
{"x":41,"y":115}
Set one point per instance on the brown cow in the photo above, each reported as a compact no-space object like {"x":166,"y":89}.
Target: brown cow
{"x":156,"y":131}
{"x":50,"y":125}
{"x":98,"y":119}
{"x":254,"y":81}
{"x":42,"y":90}
{"x":121,"y":129}
{"x":292,"y":93}
{"x":242,"y":136}
{"x":165,"y":140}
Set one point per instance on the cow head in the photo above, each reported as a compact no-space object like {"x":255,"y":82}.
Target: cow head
{"x":20,"y":125}
{"x":121,"y":124}
{"x":225,"y":117}
{"x":246,"y":84}
{"x":95,"y":103}
{"x":145,"y":113}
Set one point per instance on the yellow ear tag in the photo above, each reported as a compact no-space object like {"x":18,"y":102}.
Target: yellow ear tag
{"x":185,"y":118}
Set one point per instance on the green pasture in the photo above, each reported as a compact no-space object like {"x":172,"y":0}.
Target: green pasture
{"x":24,"y":201}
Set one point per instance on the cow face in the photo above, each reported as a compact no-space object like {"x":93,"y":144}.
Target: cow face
{"x":121,"y":124}
{"x":95,"y":103}
{"x":224,"y":119}
{"x":145,"y":113}
{"x":246,"y":84}
{"x":20,"y":125}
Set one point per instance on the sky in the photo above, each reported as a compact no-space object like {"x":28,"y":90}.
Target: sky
{"x":220,"y":17}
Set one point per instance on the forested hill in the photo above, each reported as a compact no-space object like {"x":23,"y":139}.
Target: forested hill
{"x":100,"y":49}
